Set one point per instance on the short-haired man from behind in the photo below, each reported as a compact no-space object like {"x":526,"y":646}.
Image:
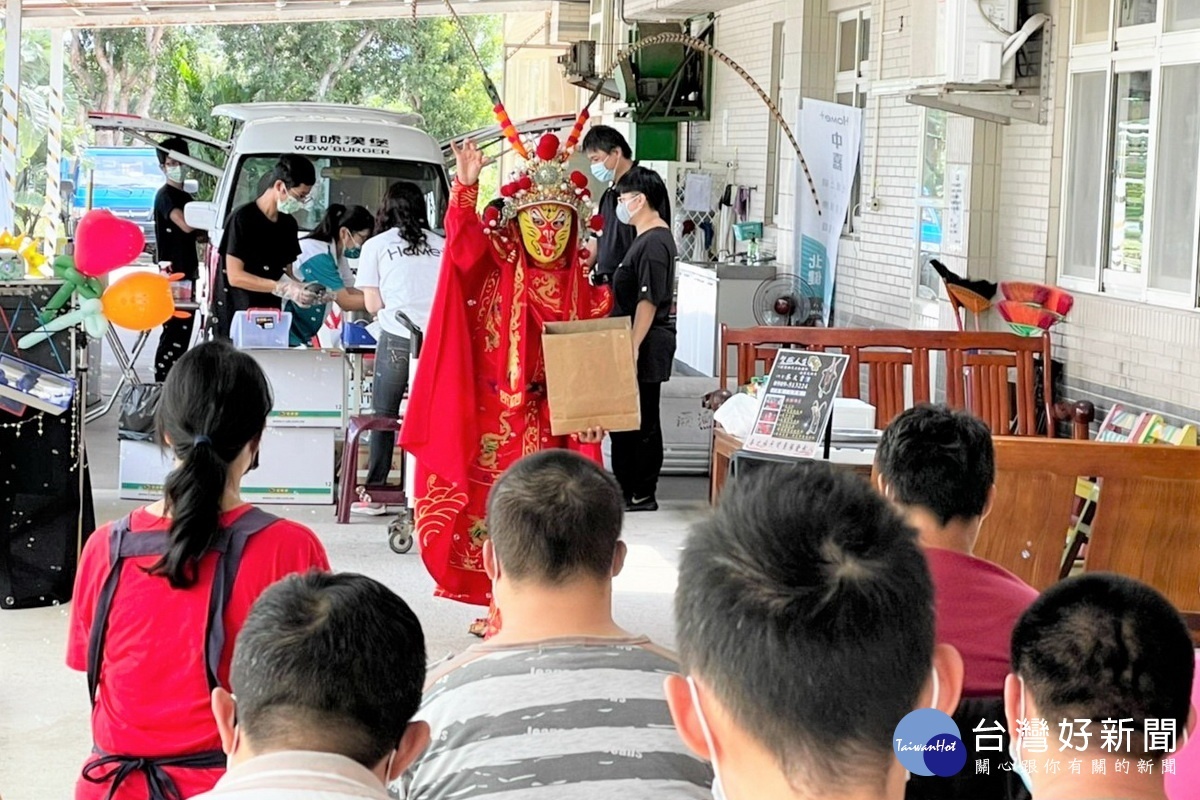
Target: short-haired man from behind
{"x":939,"y":466}
{"x":326,"y":676}
{"x":1115,"y":652}
{"x":805,"y":624}
{"x":562,"y":702}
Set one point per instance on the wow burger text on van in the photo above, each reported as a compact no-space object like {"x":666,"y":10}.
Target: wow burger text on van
{"x":343,"y":144}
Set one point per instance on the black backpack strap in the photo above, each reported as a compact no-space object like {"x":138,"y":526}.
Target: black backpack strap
{"x":120,"y":547}
{"x":231,"y":544}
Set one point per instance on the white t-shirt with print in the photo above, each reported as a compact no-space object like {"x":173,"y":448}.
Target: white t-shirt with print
{"x":405,"y":282}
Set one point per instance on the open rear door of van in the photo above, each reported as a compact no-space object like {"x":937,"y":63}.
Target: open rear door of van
{"x":491,"y":137}
{"x":151,"y":131}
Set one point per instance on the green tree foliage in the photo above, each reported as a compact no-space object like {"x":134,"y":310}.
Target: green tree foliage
{"x":423,"y":66}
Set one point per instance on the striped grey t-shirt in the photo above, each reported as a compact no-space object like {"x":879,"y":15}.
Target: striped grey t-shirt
{"x":575,"y":718}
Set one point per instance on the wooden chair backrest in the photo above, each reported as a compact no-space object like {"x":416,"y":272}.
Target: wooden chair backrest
{"x":1145,"y":526}
{"x":978,"y":366}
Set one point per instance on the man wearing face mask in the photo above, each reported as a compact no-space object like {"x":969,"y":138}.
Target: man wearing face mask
{"x":326,"y":676}
{"x":176,"y":243}
{"x":260,"y":244}
{"x":610,"y":157}
{"x":804,"y":618}
{"x":1114,"y":652}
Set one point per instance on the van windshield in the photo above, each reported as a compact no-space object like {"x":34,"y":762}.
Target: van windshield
{"x":349,"y":181}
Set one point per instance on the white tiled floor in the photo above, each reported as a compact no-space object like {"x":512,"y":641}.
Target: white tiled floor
{"x":44,"y":732}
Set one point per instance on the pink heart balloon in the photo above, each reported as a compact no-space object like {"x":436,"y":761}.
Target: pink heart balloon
{"x":104,"y":241}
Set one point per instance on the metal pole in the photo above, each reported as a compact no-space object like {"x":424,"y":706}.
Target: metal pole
{"x":8,"y":125}
{"x":52,"y":211}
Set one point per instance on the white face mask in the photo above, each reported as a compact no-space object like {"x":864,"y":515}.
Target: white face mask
{"x":1014,"y":744}
{"x":718,"y":789}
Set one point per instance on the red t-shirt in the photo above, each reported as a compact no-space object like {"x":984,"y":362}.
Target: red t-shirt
{"x":977,"y":604}
{"x":153,"y":697}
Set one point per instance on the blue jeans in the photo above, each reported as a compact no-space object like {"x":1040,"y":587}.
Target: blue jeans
{"x":387,"y":390}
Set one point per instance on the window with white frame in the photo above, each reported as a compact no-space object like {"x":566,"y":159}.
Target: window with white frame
{"x":852,"y":59}
{"x":1131,"y":183}
{"x":931,"y":202}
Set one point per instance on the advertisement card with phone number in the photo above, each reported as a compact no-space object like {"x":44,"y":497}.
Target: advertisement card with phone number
{"x":797,"y":403}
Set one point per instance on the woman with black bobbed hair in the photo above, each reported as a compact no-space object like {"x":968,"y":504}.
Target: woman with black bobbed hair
{"x":644,"y":289}
{"x":161,"y":595}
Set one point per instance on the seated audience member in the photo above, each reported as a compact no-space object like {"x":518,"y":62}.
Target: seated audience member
{"x":1110,"y":651}
{"x":805,"y":622}
{"x":561,"y":697}
{"x":326,"y":677}
{"x":154,"y":627}
{"x":938,"y":465}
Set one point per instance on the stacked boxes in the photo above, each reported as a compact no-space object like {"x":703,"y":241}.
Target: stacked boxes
{"x":296,"y":457}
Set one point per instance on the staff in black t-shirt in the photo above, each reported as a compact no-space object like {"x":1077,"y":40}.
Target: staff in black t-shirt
{"x":644,"y":289}
{"x":176,"y":242}
{"x":611,"y":158}
{"x":261,"y":242}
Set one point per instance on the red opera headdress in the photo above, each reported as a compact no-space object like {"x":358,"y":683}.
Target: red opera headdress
{"x":545,"y":177}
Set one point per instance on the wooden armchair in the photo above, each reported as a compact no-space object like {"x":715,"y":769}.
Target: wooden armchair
{"x":897,"y":368}
{"x":1144,"y":525}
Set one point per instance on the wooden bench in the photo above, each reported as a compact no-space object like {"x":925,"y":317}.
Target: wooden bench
{"x":991,"y":374}
{"x":1145,"y":525}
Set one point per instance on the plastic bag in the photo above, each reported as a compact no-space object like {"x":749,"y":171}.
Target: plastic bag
{"x":137,"y":412}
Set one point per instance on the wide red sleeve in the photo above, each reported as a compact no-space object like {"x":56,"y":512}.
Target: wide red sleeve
{"x":466,"y":243}
{"x":93,"y":566}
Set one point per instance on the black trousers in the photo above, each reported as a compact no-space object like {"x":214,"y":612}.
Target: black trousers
{"x":637,"y":456}
{"x":173,"y":342}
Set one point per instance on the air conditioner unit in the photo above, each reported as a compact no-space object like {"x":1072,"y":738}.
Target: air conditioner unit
{"x":962,"y":41}
{"x":675,"y":9}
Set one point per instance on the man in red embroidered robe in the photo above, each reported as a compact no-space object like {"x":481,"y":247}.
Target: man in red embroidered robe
{"x":478,"y":401}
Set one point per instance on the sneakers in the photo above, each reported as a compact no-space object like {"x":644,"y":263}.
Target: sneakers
{"x":365,"y":507}
{"x":641,"y":504}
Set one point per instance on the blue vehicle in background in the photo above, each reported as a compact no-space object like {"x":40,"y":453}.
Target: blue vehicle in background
{"x":123,"y":180}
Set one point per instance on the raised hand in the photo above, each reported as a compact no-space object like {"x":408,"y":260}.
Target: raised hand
{"x":469,"y":161}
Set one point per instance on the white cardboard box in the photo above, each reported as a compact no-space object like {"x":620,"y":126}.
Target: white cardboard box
{"x":309,"y":386}
{"x":142,"y":468}
{"x":295,"y":466}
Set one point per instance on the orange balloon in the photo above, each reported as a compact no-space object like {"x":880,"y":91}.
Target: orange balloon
{"x":139,"y":301}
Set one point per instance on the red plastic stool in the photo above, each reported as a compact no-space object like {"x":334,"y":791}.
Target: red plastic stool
{"x":348,"y":481}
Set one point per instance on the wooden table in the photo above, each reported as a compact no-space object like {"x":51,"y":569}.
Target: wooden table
{"x":725,"y":445}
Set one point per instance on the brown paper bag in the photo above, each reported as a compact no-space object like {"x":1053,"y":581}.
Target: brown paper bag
{"x":591,"y":380}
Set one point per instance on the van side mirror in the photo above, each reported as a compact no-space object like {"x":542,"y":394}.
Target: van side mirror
{"x":66,"y":189}
{"x":200,"y":215}
{"x":191,"y":186}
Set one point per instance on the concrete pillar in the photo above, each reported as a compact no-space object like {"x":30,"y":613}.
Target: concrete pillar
{"x":10,"y":107}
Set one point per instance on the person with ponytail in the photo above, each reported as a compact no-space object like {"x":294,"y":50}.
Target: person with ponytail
{"x":161,"y":595}
{"x":325,"y":256}
{"x":398,"y":271}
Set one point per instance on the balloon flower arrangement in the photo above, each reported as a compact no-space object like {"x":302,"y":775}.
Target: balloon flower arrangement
{"x":139,"y":301}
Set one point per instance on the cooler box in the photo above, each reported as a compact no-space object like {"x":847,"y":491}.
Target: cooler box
{"x":260,"y":328}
